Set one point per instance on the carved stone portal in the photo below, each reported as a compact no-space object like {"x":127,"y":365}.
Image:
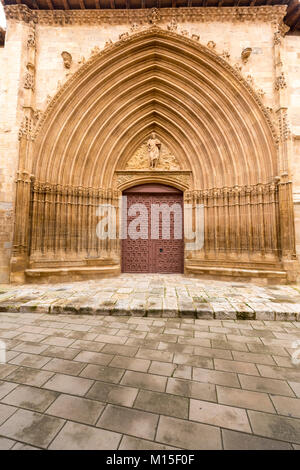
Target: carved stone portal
{"x":152,"y":154}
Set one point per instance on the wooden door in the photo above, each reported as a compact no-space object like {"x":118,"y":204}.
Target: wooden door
{"x":150,"y":255}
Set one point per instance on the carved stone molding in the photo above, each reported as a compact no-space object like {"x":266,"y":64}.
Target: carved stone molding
{"x":39,"y":187}
{"x":24,"y":176}
{"x":233,"y":191}
{"x":272,"y":14}
{"x":123,"y":177}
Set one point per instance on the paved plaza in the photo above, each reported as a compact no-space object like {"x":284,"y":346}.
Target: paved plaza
{"x":107,"y":382}
{"x":158,"y":295}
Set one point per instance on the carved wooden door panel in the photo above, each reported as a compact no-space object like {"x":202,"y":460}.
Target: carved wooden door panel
{"x":167,"y":253}
{"x":154,"y":255}
{"x":136,"y":253}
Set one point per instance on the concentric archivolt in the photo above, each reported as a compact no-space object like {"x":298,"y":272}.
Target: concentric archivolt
{"x":155,"y":80}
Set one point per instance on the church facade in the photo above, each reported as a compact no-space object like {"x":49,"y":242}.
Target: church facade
{"x":186,"y":106}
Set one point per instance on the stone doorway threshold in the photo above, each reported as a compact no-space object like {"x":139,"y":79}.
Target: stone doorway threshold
{"x":156,"y":295}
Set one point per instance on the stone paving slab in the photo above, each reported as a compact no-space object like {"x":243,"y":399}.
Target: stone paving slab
{"x":158,"y":295}
{"x":185,"y":383}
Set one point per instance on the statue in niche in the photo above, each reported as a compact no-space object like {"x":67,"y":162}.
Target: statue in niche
{"x":154,"y":146}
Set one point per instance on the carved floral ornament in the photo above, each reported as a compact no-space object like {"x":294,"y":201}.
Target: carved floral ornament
{"x":280,"y":82}
{"x":209,"y":49}
{"x":233,"y":192}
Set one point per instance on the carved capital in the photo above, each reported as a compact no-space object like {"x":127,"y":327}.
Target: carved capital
{"x":28,"y":124}
{"x":21,"y":13}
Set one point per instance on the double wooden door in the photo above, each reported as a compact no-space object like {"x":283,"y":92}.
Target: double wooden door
{"x":151,"y":255}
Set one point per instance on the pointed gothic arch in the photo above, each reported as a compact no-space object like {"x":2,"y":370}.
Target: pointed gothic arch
{"x":201,"y":109}
{"x":159,"y":80}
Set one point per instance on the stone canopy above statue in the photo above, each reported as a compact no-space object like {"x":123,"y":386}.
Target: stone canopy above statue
{"x":153,"y":155}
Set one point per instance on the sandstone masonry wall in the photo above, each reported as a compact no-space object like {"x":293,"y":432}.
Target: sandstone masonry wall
{"x":292,"y":46}
{"x":10,"y":116}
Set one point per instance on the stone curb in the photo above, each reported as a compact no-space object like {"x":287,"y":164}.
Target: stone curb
{"x":204,"y":314}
